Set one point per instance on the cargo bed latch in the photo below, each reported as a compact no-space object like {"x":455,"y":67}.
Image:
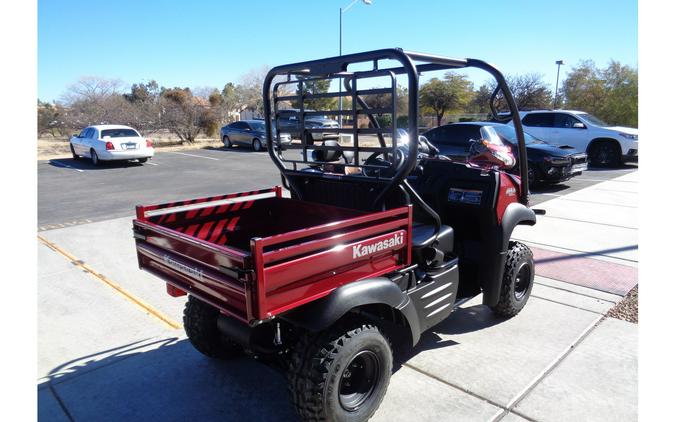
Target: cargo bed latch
{"x":236,"y":273}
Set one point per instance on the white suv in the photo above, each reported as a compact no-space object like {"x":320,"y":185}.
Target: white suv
{"x":605,"y":145}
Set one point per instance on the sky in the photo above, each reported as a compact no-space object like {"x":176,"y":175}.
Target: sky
{"x":209,"y":43}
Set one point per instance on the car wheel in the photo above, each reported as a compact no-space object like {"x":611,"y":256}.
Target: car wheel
{"x":226,"y":142}
{"x":94,"y":158}
{"x":143,"y":160}
{"x":517,"y":281}
{"x":341,"y":374}
{"x":604,"y":154}
{"x":257,"y":145}
{"x":200,"y":321}
{"x":72,"y":150}
{"x":533,"y":176}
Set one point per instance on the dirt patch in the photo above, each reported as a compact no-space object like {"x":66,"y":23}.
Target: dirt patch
{"x":51,"y":148}
{"x":627,"y":309}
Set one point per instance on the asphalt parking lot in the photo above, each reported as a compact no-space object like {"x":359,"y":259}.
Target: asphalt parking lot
{"x":111,"y":345}
{"x":75,"y":192}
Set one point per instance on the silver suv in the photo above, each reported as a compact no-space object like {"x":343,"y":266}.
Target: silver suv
{"x":605,"y":145}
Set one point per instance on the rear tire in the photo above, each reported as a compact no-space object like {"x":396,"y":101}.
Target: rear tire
{"x":201,"y":326}
{"x":604,"y":154}
{"x":257,"y":145}
{"x":94,"y":158}
{"x":340,"y":374}
{"x":72,"y":150}
{"x":226,"y":142}
{"x":517,"y":281}
{"x":143,"y":160}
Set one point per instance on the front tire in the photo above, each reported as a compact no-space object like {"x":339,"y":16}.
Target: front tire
{"x":604,"y":154}
{"x":72,"y":150}
{"x":341,"y":374}
{"x":200,"y":321}
{"x":517,"y":281}
{"x":226,"y":142}
{"x":257,"y":145}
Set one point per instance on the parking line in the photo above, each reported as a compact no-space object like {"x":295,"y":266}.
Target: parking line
{"x":152,"y":164}
{"x":119,"y":289}
{"x":57,"y":164}
{"x":193,"y":155}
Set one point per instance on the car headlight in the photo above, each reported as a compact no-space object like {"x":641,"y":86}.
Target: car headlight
{"x":629,"y":136}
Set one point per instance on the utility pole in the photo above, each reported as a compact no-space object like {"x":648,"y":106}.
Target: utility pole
{"x":555,"y":98}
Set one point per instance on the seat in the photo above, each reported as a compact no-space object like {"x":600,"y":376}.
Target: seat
{"x":427,"y":252}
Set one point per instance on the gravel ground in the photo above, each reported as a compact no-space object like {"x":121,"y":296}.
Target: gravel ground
{"x":627,"y":309}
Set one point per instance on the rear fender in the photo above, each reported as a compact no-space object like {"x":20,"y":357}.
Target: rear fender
{"x":322,"y":313}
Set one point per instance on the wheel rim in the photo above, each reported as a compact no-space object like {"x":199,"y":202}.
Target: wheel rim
{"x":358,"y":380}
{"x":256,"y":145}
{"x":603,"y":154}
{"x":530,"y":174}
{"x":226,"y":142}
{"x":522,"y":283}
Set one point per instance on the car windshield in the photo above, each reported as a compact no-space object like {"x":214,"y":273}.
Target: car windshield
{"x":509,"y":135}
{"x":119,"y":133}
{"x":592,"y":119}
{"x":257,"y":126}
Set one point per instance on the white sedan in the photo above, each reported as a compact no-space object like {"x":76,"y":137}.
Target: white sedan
{"x":111,"y":142}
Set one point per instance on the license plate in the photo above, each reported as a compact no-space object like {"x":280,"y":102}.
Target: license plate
{"x":129,"y":146}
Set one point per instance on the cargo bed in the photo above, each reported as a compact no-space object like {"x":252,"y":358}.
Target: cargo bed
{"x":257,"y":254}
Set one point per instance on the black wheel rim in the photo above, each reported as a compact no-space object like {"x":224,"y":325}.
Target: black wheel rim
{"x":358,"y":380}
{"x":603,"y":154}
{"x":522,"y":283}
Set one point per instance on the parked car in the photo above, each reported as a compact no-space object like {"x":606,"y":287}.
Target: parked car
{"x":249,"y":133}
{"x":546,"y":163}
{"x":605,"y":145}
{"x":289,"y":121}
{"x":111,"y":142}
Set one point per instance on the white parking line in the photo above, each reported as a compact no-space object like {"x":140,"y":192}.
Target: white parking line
{"x":57,"y":164}
{"x":193,"y":155}
{"x":152,"y":164}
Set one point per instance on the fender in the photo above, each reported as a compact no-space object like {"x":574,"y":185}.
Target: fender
{"x":493,"y":270}
{"x":322,"y":313}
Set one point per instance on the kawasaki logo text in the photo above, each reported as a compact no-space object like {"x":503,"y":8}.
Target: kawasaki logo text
{"x":360,"y":250}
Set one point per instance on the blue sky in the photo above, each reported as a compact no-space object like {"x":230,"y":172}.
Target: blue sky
{"x":209,"y":43}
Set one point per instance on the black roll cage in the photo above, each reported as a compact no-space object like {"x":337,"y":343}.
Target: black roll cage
{"x":411,"y":64}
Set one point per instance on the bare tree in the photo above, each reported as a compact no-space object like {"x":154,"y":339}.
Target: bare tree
{"x":184,"y":114}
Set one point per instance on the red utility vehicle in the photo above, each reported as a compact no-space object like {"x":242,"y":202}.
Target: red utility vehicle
{"x":377,"y":242}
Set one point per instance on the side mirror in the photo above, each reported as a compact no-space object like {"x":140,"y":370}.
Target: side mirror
{"x":579,"y":125}
{"x":75,"y":135}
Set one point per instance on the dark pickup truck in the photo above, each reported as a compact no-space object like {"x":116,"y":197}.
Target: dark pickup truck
{"x":289,"y":122}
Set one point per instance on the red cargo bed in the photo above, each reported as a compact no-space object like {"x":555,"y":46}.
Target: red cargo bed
{"x":257,"y":254}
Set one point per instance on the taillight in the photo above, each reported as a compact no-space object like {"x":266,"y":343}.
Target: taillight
{"x":148,"y":143}
{"x":109,"y":145}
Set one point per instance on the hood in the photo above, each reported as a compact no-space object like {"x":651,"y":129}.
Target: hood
{"x":628,"y":130}
{"x":548,"y":149}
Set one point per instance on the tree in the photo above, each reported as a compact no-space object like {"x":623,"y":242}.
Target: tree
{"x":451,"y":93}
{"x":611,"y":93}
{"x":529,"y":92}
{"x":51,"y":119}
{"x":320,"y":86}
{"x":184,"y":114}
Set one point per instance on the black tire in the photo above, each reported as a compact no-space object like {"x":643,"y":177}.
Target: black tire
{"x":533,"y":175}
{"x":604,"y":154}
{"x":226,"y":142}
{"x":200,"y":322}
{"x":72,"y":150}
{"x":517,"y":281}
{"x":257,"y":145}
{"x":341,"y":374}
{"x":143,"y":160}
{"x":94,"y":158}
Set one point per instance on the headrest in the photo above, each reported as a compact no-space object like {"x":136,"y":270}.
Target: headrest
{"x":328,"y":155}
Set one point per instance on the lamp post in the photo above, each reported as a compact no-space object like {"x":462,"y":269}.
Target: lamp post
{"x":555,"y":98}
{"x":342,"y":11}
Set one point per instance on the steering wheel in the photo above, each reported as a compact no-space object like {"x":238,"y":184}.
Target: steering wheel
{"x":389,"y":170}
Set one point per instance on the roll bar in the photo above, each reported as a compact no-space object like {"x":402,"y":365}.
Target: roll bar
{"x":410,"y":64}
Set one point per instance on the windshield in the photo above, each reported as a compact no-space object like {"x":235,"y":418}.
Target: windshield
{"x":592,"y":119}
{"x":119,"y":133}
{"x":509,"y":134}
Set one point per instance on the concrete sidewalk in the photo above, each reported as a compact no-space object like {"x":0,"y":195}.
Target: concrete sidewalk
{"x":101,"y":357}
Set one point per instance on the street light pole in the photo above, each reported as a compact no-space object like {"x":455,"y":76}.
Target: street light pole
{"x":342,"y":11}
{"x":555,"y":100}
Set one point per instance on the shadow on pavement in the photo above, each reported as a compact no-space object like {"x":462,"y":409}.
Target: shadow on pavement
{"x":623,"y":166}
{"x":85,"y":164}
{"x":168,"y":380}
{"x":238,"y":149}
